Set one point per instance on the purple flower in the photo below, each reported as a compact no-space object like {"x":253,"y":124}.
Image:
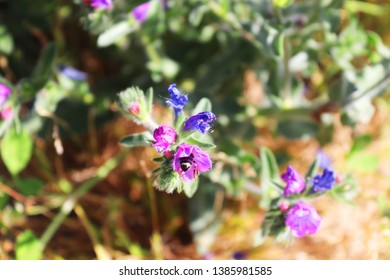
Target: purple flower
{"x":294,"y":181}
{"x":4,"y":93}
{"x":177,"y":101}
{"x":164,"y":136}
{"x":324,"y":182}
{"x":7,"y":113}
{"x":72,"y":73}
{"x":200,"y":122}
{"x":105,"y":4}
{"x":140,"y":12}
{"x":189,"y":160}
{"x":303,"y":219}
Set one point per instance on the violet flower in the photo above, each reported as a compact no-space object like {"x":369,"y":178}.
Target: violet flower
{"x":295,"y":182}
{"x":104,"y":4}
{"x":177,"y":101}
{"x":303,"y":219}
{"x":73,"y":73}
{"x":140,"y":12}
{"x":164,"y":136}
{"x":201,"y":122}
{"x":324,"y":182}
{"x":4,"y":93}
{"x":189,"y":160}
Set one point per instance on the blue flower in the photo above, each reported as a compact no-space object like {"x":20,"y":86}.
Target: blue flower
{"x":323,"y":182}
{"x":72,"y":73}
{"x":177,"y":101}
{"x":201,"y":122}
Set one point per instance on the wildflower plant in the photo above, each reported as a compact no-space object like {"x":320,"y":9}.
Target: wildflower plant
{"x":290,"y":213}
{"x":182,"y":145}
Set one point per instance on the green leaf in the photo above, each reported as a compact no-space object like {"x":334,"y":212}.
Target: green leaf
{"x":135,"y":140}
{"x":269,"y":173}
{"x":28,"y":247}
{"x":114,"y":33}
{"x":16,"y":149}
{"x":3,"y":200}
{"x":29,"y":186}
{"x":313,"y":169}
{"x":203,"y":105}
{"x":203,"y":143}
{"x":191,"y":187}
{"x":6,"y":41}
{"x":282,"y":3}
{"x":44,"y":67}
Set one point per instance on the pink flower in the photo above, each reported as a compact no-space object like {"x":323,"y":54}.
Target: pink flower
{"x":7,"y":113}
{"x":164,"y":136}
{"x":4,"y":93}
{"x":303,"y":219}
{"x":134,"y":108}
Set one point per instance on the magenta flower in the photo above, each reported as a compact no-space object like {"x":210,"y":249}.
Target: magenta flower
{"x":4,"y":93}
{"x":189,"y":160}
{"x":140,"y":12}
{"x":295,"y":182}
{"x":303,"y":219}
{"x":164,"y":136}
{"x":7,"y":113}
{"x":201,"y":122}
{"x":324,"y":182}
{"x":105,"y":4}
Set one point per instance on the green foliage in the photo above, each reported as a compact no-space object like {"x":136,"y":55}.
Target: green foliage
{"x":27,"y":246}
{"x":16,"y":150}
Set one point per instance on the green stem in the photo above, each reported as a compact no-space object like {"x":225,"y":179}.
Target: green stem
{"x":72,"y":199}
{"x":372,"y":91}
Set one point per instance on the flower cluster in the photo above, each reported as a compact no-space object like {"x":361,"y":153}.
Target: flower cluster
{"x":188,"y":160}
{"x":5,"y":111}
{"x":291,"y":213}
{"x":182,"y":157}
{"x":301,"y":217}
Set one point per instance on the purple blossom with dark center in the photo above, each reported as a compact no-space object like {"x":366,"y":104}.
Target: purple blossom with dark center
{"x":303,"y":219}
{"x":4,"y":93}
{"x":324,"y":182}
{"x":295,"y":182}
{"x":177,"y":101}
{"x":105,"y":4}
{"x":189,"y":161}
{"x":73,"y":73}
{"x":201,"y":122}
{"x":164,"y":136}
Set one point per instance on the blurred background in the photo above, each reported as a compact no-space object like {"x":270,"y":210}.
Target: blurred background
{"x":304,"y":79}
